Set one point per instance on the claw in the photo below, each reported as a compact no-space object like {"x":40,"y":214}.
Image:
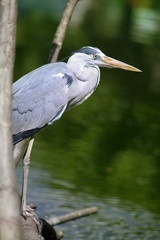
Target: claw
{"x":30,"y":211}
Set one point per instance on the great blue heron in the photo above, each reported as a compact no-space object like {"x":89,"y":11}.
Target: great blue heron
{"x":43,"y":95}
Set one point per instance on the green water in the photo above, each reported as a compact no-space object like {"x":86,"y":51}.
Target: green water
{"x":106,"y":152}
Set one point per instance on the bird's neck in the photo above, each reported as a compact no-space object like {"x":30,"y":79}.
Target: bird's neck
{"x":82,"y":71}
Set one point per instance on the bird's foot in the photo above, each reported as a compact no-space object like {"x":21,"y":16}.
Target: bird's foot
{"x":30,"y":211}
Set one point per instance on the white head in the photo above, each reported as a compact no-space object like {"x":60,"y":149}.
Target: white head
{"x":93,"y":56}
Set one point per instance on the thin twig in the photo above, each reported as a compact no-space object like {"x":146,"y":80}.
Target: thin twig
{"x":72,"y":216}
{"x":61,"y":31}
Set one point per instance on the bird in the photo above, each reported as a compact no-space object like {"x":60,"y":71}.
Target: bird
{"x":43,"y":95}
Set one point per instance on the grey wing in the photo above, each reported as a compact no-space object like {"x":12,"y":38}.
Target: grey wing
{"x":40,"y":97}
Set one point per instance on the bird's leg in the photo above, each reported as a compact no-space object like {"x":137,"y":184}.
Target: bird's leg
{"x":26,"y":164}
{"x":31,"y":212}
{"x":28,"y":210}
{"x":18,"y":149}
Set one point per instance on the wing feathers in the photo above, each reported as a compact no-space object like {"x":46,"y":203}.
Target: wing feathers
{"x":40,"y":97}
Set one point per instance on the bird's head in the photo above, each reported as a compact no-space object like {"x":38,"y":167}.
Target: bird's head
{"x":94,"y":56}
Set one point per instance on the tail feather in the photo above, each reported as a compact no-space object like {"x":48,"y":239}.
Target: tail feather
{"x":23,"y":135}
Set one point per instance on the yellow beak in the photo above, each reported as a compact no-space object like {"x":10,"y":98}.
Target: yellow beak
{"x":111,"y":62}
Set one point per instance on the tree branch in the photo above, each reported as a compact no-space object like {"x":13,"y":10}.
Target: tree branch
{"x":9,"y":200}
{"x":29,"y":229}
{"x":61,"y":31}
{"x":72,"y":216}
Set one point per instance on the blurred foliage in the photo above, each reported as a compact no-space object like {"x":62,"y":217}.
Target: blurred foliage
{"x":110,"y":144}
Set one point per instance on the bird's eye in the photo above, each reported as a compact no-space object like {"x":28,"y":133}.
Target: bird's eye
{"x":95,"y":56}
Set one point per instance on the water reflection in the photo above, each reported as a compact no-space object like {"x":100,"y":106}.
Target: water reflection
{"x":116,"y":219}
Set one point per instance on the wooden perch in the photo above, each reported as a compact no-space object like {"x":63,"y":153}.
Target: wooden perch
{"x":33,"y":227}
{"x":72,"y":216}
{"x":29,"y":229}
{"x":61,"y":31}
{"x":29,"y":226}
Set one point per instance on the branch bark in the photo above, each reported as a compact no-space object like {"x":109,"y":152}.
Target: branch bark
{"x":29,"y":229}
{"x":61,"y":31}
{"x":9,"y":200}
{"x":72,"y":216}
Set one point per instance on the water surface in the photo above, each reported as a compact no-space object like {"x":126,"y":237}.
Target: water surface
{"x":116,"y":218}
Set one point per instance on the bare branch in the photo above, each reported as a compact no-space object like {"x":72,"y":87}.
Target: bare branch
{"x":61,"y":31}
{"x":72,"y":216}
{"x":9,"y":201}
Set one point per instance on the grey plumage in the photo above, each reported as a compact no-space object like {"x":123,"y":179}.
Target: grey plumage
{"x":36,"y":100}
{"x":43,"y":95}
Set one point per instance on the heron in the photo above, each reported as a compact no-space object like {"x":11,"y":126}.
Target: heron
{"x":43,"y":95}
